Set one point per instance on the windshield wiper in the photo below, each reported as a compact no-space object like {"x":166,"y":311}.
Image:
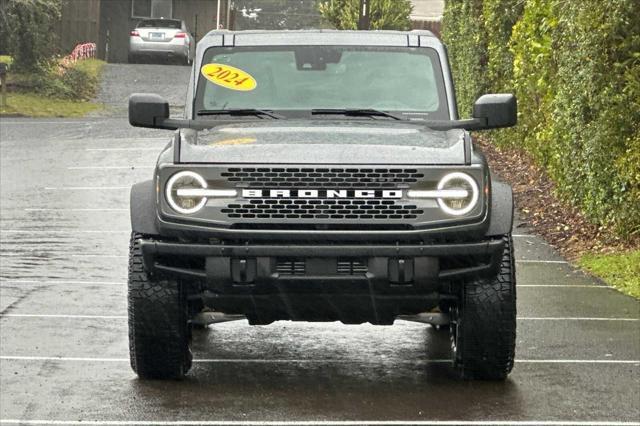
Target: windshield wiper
{"x":362,"y":112}
{"x":240,"y":112}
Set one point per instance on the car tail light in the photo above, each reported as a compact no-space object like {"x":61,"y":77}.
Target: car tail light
{"x":134,"y":33}
{"x":180,"y":35}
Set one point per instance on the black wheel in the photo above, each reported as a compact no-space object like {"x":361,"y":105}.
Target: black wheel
{"x":483,"y":325}
{"x":158,"y":328}
{"x":132,"y":59}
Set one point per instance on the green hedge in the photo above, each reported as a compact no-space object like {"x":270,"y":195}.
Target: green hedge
{"x":27,"y":32}
{"x":575,"y":68}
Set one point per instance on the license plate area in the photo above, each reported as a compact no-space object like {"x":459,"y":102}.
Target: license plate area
{"x":156,"y":36}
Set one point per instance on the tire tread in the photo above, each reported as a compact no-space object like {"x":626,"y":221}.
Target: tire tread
{"x":489,"y":322}
{"x":158,"y":331}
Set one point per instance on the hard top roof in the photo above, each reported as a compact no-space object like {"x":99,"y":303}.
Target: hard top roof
{"x":416,"y":38}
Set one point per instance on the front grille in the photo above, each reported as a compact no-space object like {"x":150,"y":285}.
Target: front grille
{"x":290,"y":267}
{"x":295,"y":177}
{"x":322,"y":209}
{"x":351,"y":267}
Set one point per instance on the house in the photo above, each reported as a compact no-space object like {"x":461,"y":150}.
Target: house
{"x":109,"y":22}
{"x":119,"y":17}
{"x":427,"y":15}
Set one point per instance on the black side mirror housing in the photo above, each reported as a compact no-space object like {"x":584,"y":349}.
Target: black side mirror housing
{"x":148,"y":110}
{"x":496,"y":111}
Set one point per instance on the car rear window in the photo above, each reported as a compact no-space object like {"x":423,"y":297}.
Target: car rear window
{"x":159,"y":23}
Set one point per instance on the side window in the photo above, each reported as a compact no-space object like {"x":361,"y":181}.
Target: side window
{"x":152,"y":8}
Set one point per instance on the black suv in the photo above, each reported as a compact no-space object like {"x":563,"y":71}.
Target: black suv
{"x":322,"y":176}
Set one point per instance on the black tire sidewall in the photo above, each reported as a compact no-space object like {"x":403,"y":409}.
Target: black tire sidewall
{"x":486,"y":325}
{"x":158,"y":326}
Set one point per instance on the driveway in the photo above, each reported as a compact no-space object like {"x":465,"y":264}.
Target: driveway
{"x":121,"y":80}
{"x":63,"y":332}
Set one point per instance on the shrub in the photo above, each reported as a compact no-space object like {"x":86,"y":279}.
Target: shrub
{"x":465,"y":36}
{"x":597,"y":109}
{"x":28,"y":31}
{"x":383,"y":14}
{"x":575,"y":68}
{"x":76,"y":82}
{"x":532,"y":78}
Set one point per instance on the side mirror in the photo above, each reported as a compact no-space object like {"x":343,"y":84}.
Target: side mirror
{"x":496,"y":111}
{"x":148,"y":110}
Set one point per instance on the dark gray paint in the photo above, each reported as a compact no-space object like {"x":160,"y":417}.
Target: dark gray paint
{"x":501,"y":209}
{"x":143,"y":208}
{"x":325,"y":142}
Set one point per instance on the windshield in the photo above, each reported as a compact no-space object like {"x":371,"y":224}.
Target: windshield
{"x":398,"y":79}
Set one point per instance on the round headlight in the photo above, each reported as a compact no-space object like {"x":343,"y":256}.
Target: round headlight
{"x":458,"y":181}
{"x":185,"y":180}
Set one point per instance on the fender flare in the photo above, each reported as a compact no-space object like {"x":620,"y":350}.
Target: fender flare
{"x":142,"y":204}
{"x":501,"y":220}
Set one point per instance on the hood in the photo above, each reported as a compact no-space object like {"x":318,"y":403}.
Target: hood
{"x":323,"y":142}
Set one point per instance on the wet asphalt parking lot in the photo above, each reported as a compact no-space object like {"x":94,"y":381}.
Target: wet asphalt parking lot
{"x":63,"y":330}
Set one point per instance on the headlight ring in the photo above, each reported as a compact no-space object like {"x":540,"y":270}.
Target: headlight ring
{"x":186,"y":180}
{"x":458,"y":206}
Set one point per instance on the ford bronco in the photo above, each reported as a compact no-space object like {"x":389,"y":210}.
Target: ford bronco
{"x":322,"y":176}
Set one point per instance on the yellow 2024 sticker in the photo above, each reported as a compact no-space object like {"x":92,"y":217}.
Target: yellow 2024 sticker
{"x":230,"y":77}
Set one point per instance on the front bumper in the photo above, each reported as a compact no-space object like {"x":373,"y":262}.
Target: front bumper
{"x":251,"y":264}
{"x":349,"y":283}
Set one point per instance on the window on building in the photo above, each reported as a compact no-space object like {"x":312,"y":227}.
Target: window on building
{"x":152,"y":8}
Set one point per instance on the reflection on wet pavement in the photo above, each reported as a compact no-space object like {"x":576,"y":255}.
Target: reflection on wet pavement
{"x":63,"y":331}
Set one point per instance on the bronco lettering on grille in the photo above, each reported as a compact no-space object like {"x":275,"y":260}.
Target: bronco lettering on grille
{"x":321,"y":193}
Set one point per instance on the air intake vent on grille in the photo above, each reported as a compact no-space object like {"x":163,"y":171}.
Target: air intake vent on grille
{"x":322,"y":209}
{"x":290,"y":267}
{"x":295,"y":177}
{"x":351,"y":267}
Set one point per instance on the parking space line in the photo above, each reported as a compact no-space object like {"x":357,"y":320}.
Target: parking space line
{"x":124,"y":149}
{"x":325,"y":360}
{"x":45,"y":282}
{"x":567,"y":286}
{"x":72,"y":316}
{"x":110,"y":256}
{"x":577,"y":319}
{"x":320,"y":422}
{"x":63,"y":231}
{"x":76,"y":210}
{"x":64,"y":316}
{"x":86,"y":188}
{"x":30,"y":122}
{"x":109,"y":167}
{"x":39,"y":255}
{"x":60,"y":358}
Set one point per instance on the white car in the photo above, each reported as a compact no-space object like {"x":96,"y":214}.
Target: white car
{"x":165,"y":38}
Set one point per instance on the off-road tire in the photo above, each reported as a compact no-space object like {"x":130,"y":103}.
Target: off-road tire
{"x":158,"y":327}
{"x":483,"y":333}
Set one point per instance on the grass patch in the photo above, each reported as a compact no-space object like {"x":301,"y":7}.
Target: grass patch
{"x":33,"y":105}
{"x":621,"y":270}
{"x":52,"y":93}
{"x":6,"y":59}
